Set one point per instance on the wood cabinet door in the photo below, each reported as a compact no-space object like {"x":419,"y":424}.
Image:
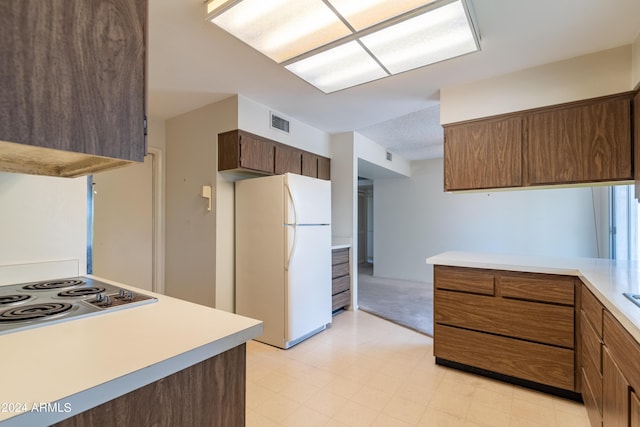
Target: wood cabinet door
{"x":634,"y":404}
{"x":256,"y":154}
{"x":324,"y":168}
{"x":72,"y":76}
{"x":483,"y":154}
{"x":309,"y":164}
{"x":287,"y":160}
{"x":636,"y":137}
{"x":589,"y":142}
{"x":615,"y":394}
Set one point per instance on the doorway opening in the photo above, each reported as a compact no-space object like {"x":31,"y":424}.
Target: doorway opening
{"x":125,"y":232}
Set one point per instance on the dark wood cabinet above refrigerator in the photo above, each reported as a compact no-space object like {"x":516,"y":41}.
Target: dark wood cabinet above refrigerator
{"x":241,"y":151}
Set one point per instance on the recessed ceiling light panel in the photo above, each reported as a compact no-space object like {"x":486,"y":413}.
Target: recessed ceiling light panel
{"x":338,"y":68}
{"x":336,"y":44}
{"x":434,"y":36}
{"x":362,"y":14}
{"x":281,"y":29}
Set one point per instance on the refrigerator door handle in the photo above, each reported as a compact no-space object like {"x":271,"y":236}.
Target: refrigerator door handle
{"x":294,"y":226}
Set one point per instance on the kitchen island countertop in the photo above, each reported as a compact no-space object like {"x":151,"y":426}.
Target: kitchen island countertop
{"x":56,"y":371}
{"x":607,"y":279}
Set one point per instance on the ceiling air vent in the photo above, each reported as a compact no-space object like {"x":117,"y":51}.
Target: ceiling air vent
{"x":279,"y":123}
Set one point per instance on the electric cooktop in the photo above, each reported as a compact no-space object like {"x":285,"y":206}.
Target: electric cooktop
{"x":34,"y":304}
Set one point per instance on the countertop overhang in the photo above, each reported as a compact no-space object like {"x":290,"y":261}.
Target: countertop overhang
{"x":607,"y":279}
{"x":56,"y":371}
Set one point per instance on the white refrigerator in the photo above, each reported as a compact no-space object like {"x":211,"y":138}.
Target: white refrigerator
{"x":283,"y":256}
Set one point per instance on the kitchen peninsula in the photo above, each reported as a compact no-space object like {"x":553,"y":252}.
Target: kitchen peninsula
{"x":560,"y":325}
{"x":165,"y":363}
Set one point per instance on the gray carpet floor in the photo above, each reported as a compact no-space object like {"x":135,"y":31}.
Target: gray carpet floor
{"x":406,"y":303}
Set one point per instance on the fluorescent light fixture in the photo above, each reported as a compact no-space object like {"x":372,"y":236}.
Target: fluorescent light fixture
{"x":282,"y":29}
{"x":336,"y":44}
{"x":432,"y":37}
{"x":341,"y":67}
{"x":364,"y":14}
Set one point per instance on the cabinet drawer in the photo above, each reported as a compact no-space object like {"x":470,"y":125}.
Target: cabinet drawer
{"x":537,"y":287}
{"x":624,"y":349}
{"x":340,"y":300}
{"x":594,"y":378}
{"x":340,"y":284}
{"x":539,"y":363}
{"x":339,"y":270}
{"x":339,"y":256}
{"x":592,"y":309}
{"x":462,"y":279}
{"x":590,"y":402}
{"x":543,"y":323}
{"x":591,"y":344}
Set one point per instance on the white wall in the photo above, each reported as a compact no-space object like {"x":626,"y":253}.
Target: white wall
{"x":200,"y":254}
{"x":43,"y":219}
{"x":191,"y":162}
{"x":376,"y":154}
{"x":598,"y":74}
{"x":347,"y":151}
{"x":636,"y":63}
{"x":255,"y":118}
{"x":414,"y":219}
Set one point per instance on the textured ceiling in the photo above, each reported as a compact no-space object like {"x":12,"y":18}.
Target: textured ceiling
{"x":415,"y":136}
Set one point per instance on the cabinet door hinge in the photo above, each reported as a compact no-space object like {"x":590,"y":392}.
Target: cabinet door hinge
{"x":145,"y":125}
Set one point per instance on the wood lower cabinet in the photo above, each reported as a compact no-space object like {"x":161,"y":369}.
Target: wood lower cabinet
{"x":616,"y":394}
{"x":484,"y":154}
{"x":634,"y":408}
{"x":244,"y":151}
{"x":591,"y":313}
{"x":620,"y":375}
{"x":508,"y":324}
{"x":209,"y":393}
{"x":341,"y":280}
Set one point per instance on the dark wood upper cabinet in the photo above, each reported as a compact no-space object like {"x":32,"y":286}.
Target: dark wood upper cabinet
{"x":587,"y":142}
{"x":72,"y":78}
{"x":636,"y":136}
{"x":578,"y":142}
{"x":310,"y":165}
{"x":288,"y":159}
{"x":483,"y":154}
{"x":324,"y":168}
{"x":240,"y":149}
{"x":244,"y":151}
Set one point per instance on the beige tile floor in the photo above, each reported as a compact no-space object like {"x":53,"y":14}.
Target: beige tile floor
{"x":365,"y":371}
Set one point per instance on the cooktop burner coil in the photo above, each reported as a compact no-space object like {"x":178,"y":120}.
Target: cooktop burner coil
{"x":40,"y":286}
{"x":33,"y":311}
{"x":12,"y":299}
{"x":81,"y":292}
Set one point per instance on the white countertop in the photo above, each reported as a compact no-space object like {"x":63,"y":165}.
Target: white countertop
{"x":86,"y":362}
{"x":606,"y":278}
{"x":340,"y":246}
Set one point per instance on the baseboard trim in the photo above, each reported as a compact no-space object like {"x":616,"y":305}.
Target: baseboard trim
{"x":566,"y":394}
